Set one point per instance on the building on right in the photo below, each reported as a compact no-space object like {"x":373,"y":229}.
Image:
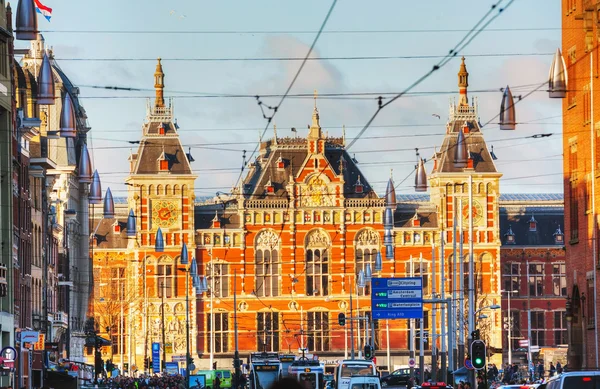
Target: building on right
{"x":581,"y":159}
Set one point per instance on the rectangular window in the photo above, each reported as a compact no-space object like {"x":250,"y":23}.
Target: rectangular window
{"x":221,"y":279}
{"x":572,"y":90}
{"x":164,"y":280}
{"x":516,"y":325}
{"x":559,"y":279}
{"x":317,"y":272}
{"x":510,"y":277}
{"x":538,"y":328}
{"x":267,"y":331}
{"x":560,"y":328}
{"x":266,"y":273}
{"x":164,"y":165}
{"x":536,"y":279}
{"x":3,"y":58}
{"x":220,"y":332}
{"x":318,"y":331}
{"x":117,"y":286}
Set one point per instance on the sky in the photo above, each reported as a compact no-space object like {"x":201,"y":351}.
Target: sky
{"x":95,"y":46}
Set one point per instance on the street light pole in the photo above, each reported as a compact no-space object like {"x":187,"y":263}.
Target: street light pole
{"x":509,"y":324}
{"x":162,"y":311}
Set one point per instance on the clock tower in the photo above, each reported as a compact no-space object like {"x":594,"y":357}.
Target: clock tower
{"x":465,"y":188}
{"x":161,"y":195}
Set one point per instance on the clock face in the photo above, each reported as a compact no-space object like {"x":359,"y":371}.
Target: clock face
{"x":164,"y":213}
{"x":477,"y":212}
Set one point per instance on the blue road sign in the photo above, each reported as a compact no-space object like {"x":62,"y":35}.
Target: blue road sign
{"x":397,"y":298}
{"x":156,"y":357}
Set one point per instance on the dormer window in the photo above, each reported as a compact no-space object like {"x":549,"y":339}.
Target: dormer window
{"x":162,"y":129}
{"x":280,"y":163}
{"x":358,"y":187}
{"x":559,"y":237}
{"x":269,"y":188}
{"x":466,"y":128}
{"x":510,"y":236}
{"x":117,"y":228}
{"x":163,"y":162}
{"x":532,"y":224}
{"x":416,"y":221}
{"x":216,"y":222}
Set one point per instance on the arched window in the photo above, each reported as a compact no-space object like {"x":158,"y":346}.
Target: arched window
{"x":366,"y":246}
{"x":267,"y":265}
{"x":317,"y":245}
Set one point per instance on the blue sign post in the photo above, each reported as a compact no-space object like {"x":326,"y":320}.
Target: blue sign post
{"x":397,"y":298}
{"x":156,"y":358}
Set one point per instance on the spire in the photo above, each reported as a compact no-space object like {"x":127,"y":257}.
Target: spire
{"x":463,"y":83}
{"x":315,"y":127}
{"x":159,"y":85}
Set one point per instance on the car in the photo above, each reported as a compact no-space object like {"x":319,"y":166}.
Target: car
{"x":397,"y":377}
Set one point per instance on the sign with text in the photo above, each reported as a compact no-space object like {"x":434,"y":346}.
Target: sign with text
{"x":397,"y":298}
{"x":156,"y":357}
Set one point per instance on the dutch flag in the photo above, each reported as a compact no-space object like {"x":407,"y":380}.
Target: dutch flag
{"x":44,"y":10}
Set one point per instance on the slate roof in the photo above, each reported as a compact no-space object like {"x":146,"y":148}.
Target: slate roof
{"x":482,"y":160}
{"x":151,"y":148}
{"x":203,"y":219}
{"x":106,"y":237}
{"x":504,"y":197}
{"x":548,"y":223}
{"x":293,"y":151}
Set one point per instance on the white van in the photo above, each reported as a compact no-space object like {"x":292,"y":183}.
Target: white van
{"x":575,"y":380}
{"x":349,"y":368}
{"x":365,"y":382}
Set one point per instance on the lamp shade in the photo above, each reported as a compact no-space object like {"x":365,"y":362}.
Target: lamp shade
{"x":131,"y":224}
{"x":27,"y":26}
{"x":421,"y":177}
{"x":109,"y":205}
{"x":360,"y":282}
{"x":368,"y":273}
{"x":68,"y":119}
{"x":507,"y":111}
{"x":85,"y":166}
{"x":183,"y":259}
{"x":557,"y":79}
{"x":194,"y":267}
{"x":46,"y":87}
{"x":390,"y":194}
{"x":159,"y":242}
{"x":378,"y":262}
{"x":95,"y":196}
{"x":196,"y":281}
{"x":203,"y":284}
{"x":460,"y":151}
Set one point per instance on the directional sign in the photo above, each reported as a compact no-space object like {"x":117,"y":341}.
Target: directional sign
{"x":397,"y":298}
{"x":156,"y":357}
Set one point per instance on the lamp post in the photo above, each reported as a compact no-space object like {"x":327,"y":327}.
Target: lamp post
{"x":494,"y":306}
{"x":69,"y":216}
{"x":509,"y":324}
{"x":183,"y":260}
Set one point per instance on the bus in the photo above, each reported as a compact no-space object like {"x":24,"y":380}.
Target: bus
{"x":265,"y":369}
{"x":348,"y":368}
{"x":308,"y":373}
{"x":286,"y":360}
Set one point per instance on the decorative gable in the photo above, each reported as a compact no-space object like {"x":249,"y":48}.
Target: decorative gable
{"x":358,"y":186}
{"x":510,"y":236}
{"x":269,"y":188}
{"x":532,"y":224}
{"x":559,"y":237}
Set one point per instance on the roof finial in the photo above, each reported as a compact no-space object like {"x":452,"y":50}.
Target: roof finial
{"x":159,"y":85}
{"x":463,"y":83}
{"x":275,"y":133}
{"x":344,"y":135}
{"x":315,"y":128}
{"x":391,"y":173}
{"x":316,"y":95}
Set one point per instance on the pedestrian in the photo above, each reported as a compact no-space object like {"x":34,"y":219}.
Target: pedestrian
{"x":540,"y":369}
{"x":559,"y":368}
{"x":552,"y":369}
{"x":217,"y":383}
{"x":495,"y":370}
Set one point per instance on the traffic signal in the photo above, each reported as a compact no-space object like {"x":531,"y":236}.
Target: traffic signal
{"x":478,"y":354}
{"x":146,"y":363}
{"x":342,"y":319}
{"x":368,"y":352}
{"x":475,"y":335}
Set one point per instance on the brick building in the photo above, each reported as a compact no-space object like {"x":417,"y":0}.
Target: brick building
{"x":581,"y":151}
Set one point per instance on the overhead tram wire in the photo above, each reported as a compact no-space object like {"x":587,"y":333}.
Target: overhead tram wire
{"x":268,"y":32}
{"x":293,"y":59}
{"x":276,"y":108}
{"x":461,"y":45}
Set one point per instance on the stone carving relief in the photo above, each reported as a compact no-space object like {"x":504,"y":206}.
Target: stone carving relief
{"x":267,"y":239}
{"x":316,"y":193}
{"x":317,"y":238}
{"x":367,"y":237}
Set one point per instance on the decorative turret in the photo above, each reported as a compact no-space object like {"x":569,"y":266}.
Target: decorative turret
{"x":68,"y":119}
{"x":390,"y":193}
{"x":131,"y":224}
{"x":463,"y":83}
{"x":85,"y":166}
{"x":45,"y":82}
{"x":27,"y":26}
{"x":95,"y":196}
{"x":421,"y":177}
{"x":557,"y":79}
{"x":315,"y":127}
{"x":159,"y":85}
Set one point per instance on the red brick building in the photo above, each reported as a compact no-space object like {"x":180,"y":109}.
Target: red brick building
{"x":581,"y":151}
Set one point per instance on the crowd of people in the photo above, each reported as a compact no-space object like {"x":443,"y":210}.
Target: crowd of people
{"x":145,"y":382}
